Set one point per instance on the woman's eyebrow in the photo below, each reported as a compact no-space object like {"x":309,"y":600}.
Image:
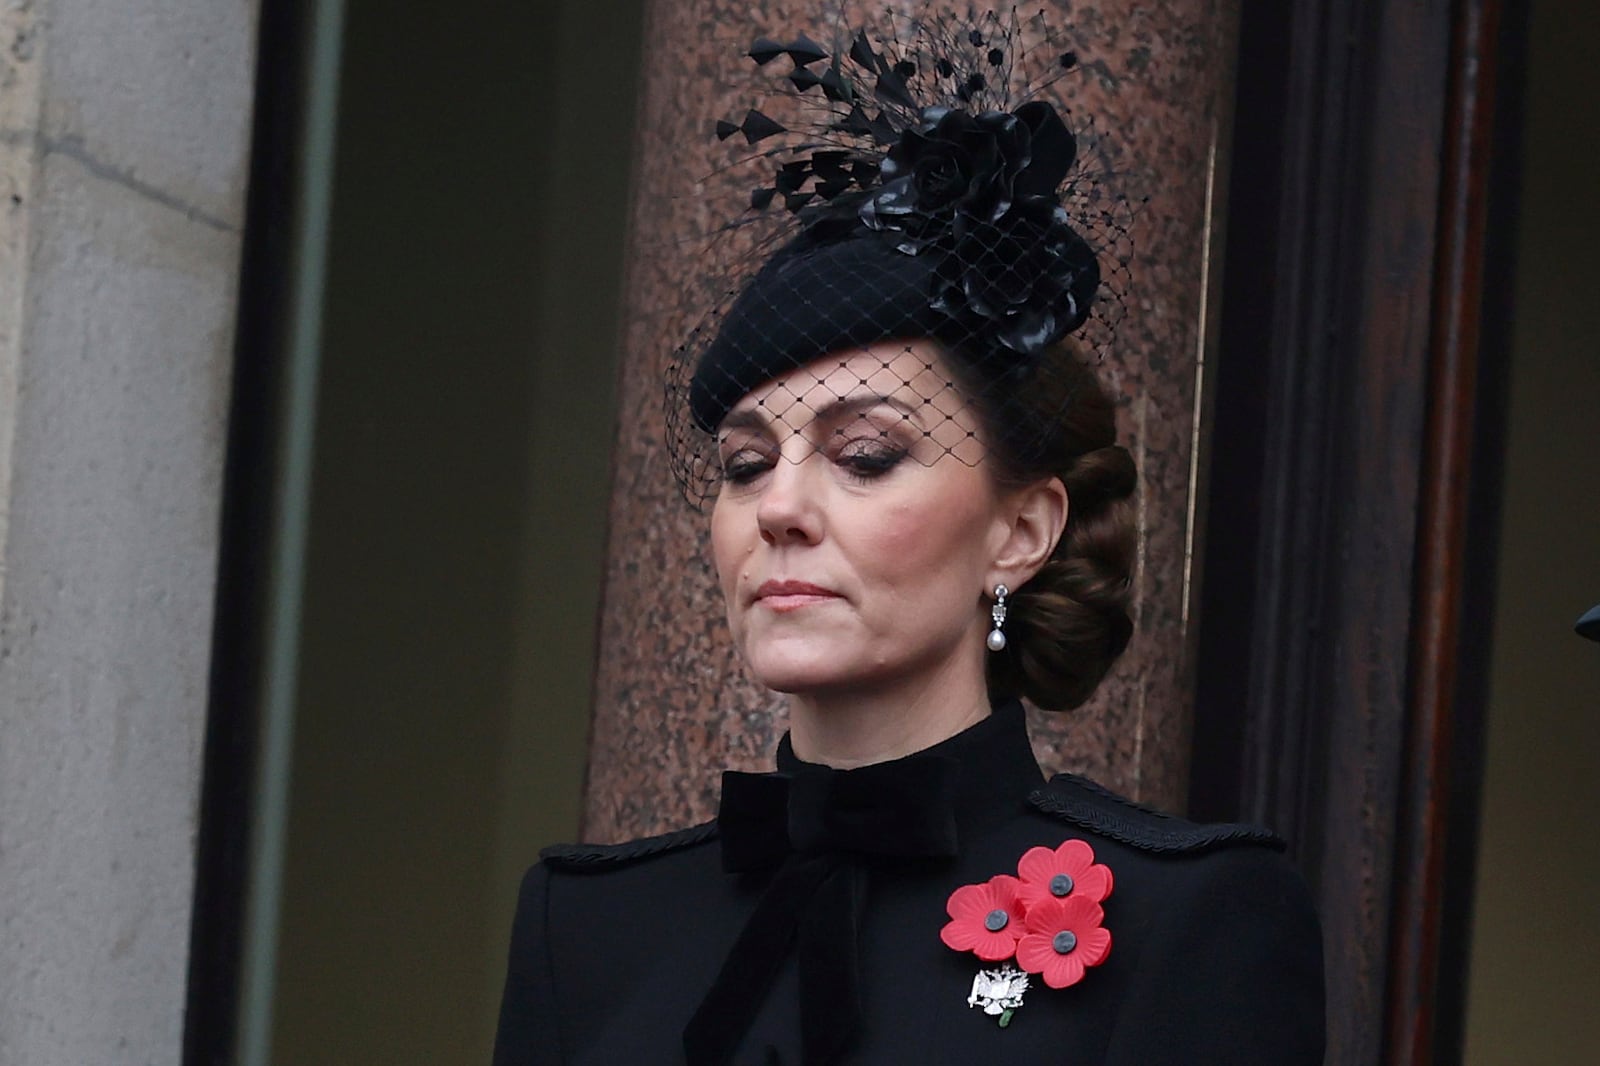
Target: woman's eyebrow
{"x":759,"y":419}
{"x":844,"y":407}
{"x":751,"y":418}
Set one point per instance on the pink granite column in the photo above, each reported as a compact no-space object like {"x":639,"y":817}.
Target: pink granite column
{"x":672,"y":705}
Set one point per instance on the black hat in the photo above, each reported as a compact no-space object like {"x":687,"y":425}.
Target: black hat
{"x":1589,"y":624}
{"x":810,"y":299}
{"x":926,"y":194}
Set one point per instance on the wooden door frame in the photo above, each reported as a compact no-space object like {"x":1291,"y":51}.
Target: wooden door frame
{"x":1354,"y":481}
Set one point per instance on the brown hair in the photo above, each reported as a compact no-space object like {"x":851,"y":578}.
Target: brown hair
{"x":1067,"y":625}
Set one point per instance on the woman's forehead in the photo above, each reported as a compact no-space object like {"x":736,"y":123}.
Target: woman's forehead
{"x":910,"y":373}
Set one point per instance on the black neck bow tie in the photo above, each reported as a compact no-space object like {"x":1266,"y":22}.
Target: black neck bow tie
{"x":815,"y":828}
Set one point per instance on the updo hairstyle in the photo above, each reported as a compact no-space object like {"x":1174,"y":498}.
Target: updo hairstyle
{"x":1070,"y":621}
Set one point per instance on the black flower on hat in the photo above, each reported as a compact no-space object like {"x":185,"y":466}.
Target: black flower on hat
{"x":954,"y":163}
{"x":1030,"y":275}
{"x":980,"y":190}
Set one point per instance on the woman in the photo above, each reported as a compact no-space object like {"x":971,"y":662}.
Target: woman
{"x":918,"y":518}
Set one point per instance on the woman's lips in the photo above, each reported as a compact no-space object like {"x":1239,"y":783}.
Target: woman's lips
{"x":785,"y":596}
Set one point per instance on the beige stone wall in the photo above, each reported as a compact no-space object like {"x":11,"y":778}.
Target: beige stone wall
{"x":124,"y":133}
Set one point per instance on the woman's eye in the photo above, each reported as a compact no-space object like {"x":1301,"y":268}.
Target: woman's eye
{"x":867,"y":459}
{"x":744,"y":466}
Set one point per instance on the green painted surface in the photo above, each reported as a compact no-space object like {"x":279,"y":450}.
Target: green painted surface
{"x":463,"y":432}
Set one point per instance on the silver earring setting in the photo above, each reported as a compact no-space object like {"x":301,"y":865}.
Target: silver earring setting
{"x":997,"y":635}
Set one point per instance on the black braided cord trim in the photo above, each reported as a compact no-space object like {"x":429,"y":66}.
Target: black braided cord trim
{"x":582,"y":858}
{"x":1087,"y":805}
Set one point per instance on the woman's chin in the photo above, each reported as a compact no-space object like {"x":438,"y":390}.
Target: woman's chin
{"x":794,"y":680}
{"x":800,"y":670}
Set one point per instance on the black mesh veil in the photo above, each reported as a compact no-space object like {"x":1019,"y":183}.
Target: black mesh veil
{"x":932,"y":240}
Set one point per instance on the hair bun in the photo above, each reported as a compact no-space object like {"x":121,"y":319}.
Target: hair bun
{"x":1071,"y":620}
{"x":1100,"y":476}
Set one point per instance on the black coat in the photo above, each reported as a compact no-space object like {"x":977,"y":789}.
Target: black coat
{"x":1215,"y":958}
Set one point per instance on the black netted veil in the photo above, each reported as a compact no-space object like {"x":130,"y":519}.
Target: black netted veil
{"x":926,"y":226}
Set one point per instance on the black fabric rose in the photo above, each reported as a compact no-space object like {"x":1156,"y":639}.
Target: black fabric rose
{"x":953,"y":163}
{"x":1030,"y":276}
{"x":979,"y":191}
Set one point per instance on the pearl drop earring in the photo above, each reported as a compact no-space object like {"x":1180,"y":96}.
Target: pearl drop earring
{"x":997,"y":636}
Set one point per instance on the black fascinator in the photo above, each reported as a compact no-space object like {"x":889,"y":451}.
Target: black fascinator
{"x":927,"y":218}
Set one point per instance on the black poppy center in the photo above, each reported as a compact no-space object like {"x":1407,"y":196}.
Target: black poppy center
{"x":1061,"y":885}
{"x":1064,"y":942}
{"x":996,"y":920}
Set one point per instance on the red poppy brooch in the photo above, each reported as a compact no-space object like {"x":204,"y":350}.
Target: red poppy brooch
{"x":1046,"y":920}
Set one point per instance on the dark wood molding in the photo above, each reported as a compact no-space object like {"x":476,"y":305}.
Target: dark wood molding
{"x":1457,"y":527}
{"x":1335,"y":692}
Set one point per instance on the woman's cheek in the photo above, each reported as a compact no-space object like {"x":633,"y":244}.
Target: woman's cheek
{"x":900,"y":540}
{"x":913,"y":539}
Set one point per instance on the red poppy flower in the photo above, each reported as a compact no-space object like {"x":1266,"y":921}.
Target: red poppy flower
{"x":985,"y":919}
{"x":1064,"y":936}
{"x":1067,"y":871}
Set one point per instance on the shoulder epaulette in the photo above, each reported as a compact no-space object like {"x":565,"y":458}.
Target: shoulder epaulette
{"x":584,"y":857}
{"x":1082,"y":803}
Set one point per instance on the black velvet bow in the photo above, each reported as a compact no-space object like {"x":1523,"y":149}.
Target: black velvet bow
{"x":814,"y":828}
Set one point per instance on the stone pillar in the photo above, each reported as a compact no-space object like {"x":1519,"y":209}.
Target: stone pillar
{"x":124,"y":133}
{"x":673,"y":706}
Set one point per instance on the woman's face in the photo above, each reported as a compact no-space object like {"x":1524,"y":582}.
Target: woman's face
{"x":857,"y":526}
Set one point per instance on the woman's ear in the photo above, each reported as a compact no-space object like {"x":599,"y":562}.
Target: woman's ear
{"x":1035,"y":518}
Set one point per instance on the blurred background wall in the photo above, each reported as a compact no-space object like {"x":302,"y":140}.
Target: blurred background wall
{"x":463,"y":438}
{"x":1535,"y":971}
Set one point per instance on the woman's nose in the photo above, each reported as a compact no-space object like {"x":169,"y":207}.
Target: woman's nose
{"x":789,"y":508}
